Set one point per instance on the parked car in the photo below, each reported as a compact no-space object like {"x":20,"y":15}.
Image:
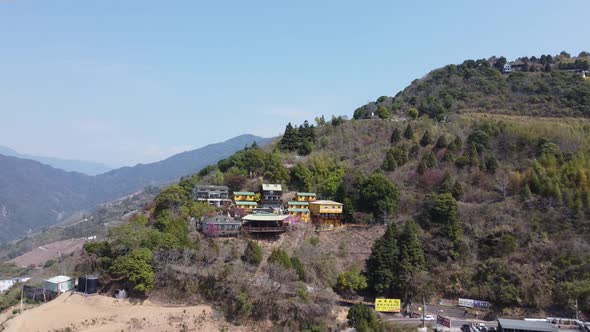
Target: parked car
{"x":428,"y":317}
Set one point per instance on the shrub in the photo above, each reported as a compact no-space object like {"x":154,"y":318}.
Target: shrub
{"x":361,"y":317}
{"x":413,"y":113}
{"x":280,"y":257}
{"x":253,"y":253}
{"x":351,"y":281}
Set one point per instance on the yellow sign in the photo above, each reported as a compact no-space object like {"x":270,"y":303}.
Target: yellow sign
{"x":387,"y":305}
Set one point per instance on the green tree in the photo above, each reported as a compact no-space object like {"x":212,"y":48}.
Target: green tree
{"x":379,"y":195}
{"x":426,"y":138}
{"x":390,"y":163}
{"x":442,"y":210}
{"x":305,"y":148}
{"x":252,"y":253}
{"x":383,"y":112}
{"x":298,"y":267}
{"x":170,"y":198}
{"x":491,"y":164}
{"x":400,"y":154}
{"x":280,"y":257}
{"x":351,"y":281}
{"x":383,"y":263}
{"x":413,"y":113}
{"x":480,"y":139}
{"x":137,"y":268}
{"x":290,"y":139}
{"x":409,"y":132}
{"x":301,"y":177}
{"x":362,"y":318}
{"x":396,"y":136}
{"x":411,"y":257}
{"x":441,"y":142}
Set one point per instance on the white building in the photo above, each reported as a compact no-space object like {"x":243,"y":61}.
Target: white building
{"x":59,"y":284}
{"x":5,"y":284}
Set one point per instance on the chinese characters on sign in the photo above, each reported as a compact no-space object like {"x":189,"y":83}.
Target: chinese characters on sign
{"x":387,"y":305}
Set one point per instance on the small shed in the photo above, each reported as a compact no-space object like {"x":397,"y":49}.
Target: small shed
{"x":59,"y":284}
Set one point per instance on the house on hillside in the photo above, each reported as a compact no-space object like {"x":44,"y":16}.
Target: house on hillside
{"x":299,"y":211}
{"x":246,"y":206}
{"x":326,"y":215}
{"x":305,"y":197}
{"x":244,"y":196}
{"x":5,"y":284}
{"x":58,"y":284}
{"x":217,"y":196}
{"x":261,"y":223}
{"x":220,"y":226}
{"x":513,"y":325}
{"x":271,"y":195}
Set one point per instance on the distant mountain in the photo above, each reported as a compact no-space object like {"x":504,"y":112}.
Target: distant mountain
{"x":34,"y":195}
{"x":82,"y":166}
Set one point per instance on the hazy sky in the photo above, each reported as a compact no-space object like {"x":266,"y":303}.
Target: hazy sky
{"x":123,"y":82}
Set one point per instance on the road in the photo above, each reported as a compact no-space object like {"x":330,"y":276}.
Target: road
{"x":455,"y":323}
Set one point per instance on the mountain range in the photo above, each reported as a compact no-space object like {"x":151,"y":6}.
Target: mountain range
{"x":82,"y":166}
{"x":34,"y":195}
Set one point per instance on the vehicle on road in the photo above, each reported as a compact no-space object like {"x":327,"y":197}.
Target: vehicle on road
{"x":428,"y":317}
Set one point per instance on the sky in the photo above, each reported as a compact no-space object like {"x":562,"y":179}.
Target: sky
{"x":126,"y":82}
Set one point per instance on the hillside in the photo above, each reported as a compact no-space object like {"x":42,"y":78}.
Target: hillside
{"x":81,"y":166}
{"x":34,"y":195}
{"x":546,"y":86}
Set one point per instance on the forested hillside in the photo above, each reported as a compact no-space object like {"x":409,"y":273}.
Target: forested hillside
{"x":476,"y":201}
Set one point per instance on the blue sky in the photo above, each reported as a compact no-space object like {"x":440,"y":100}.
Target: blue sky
{"x":123,"y":82}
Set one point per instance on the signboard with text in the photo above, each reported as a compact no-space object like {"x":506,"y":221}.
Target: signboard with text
{"x":444,"y":321}
{"x":387,"y":305}
{"x":469,"y":303}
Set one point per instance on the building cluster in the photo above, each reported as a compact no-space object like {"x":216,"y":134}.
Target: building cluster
{"x":265,"y":211}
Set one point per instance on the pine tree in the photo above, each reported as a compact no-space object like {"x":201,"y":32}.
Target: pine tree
{"x":389,"y":164}
{"x":401,"y":155}
{"x":441,"y":142}
{"x":396,"y":136}
{"x":426,"y":139}
{"x":383,"y":264}
{"x":421,"y":167}
{"x":409,"y":132}
{"x":457,"y":190}
{"x":411,"y":257}
{"x":289,"y":142}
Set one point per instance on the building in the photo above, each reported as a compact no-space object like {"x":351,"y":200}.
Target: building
{"x":513,"y":325}
{"x":299,"y":210}
{"x":246,"y":196}
{"x":326,"y":215}
{"x":507,"y":68}
{"x":59,"y":284}
{"x":305,"y":197}
{"x":217,"y":196}
{"x":220,"y":226}
{"x":271,"y":195}
{"x":264,"y":223}
{"x":5,"y":284}
{"x":246,"y":206}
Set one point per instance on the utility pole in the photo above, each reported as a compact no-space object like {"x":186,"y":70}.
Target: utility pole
{"x":577,"y":312}
{"x":22,"y":292}
{"x":423,"y":311}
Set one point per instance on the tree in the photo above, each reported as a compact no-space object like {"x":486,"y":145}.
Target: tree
{"x":383,"y":263}
{"x":305,"y":148}
{"x":409,"y":133}
{"x":441,"y":142}
{"x":480,"y":139}
{"x":136,"y":268}
{"x":400,"y":154}
{"x":290,"y":139}
{"x":390,"y":163}
{"x":491,"y":164}
{"x":395,"y":136}
{"x":351,"y":281}
{"x":383,"y":112}
{"x":500,"y":62}
{"x":362,"y":318}
{"x":413,"y":113}
{"x":301,"y":177}
{"x":280,"y":257}
{"x":252,"y":253}
{"x":298,"y":267}
{"x":411,"y":256}
{"x":426,"y":139}
{"x":379,"y":195}
{"x":442,"y":210}
{"x":170,"y":198}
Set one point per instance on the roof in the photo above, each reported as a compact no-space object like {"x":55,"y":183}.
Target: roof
{"x":221,"y":220}
{"x":325,"y":203}
{"x":265,"y":217}
{"x":211,"y":188}
{"x":298,"y":210}
{"x":298,"y":203}
{"x":246,"y":203}
{"x":271,"y":187}
{"x":244,"y":193}
{"x":306,"y":194}
{"x":514,"y":324}
{"x":58,"y":279}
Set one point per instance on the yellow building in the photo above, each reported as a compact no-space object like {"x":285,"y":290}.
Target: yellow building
{"x":326,"y":214}
{"x":244,"y":196}
{"x":246,"y":206}
{"x":305,"y":197}
{"x":299,"y":210}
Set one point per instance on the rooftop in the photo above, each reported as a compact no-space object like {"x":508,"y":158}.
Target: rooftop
{"x":298,"y":210}
{"x":246,"y":203}
{"x":265,"y":217}
{"x":298,"y":203}
{"x":244,"y":193}
{"x":221,"y":220}
{"x":514,"y":324}
{"x":58,"y":279}
{"x":271,"y":187}
{"x":325,"y":203}
{"x":211,"y":188}
{"x":306,"y":194}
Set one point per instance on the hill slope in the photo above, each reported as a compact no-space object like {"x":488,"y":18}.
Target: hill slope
{"x":34,"y":195}
{"x":85,"y":167}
